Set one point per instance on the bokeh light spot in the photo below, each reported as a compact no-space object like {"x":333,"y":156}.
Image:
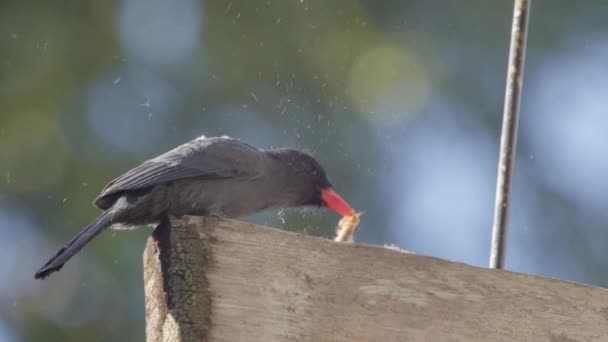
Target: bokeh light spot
{"x":160,"y":32}
{"x":384,"y":73}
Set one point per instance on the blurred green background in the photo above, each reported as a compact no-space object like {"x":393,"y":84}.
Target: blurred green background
{"x":400,"y":100}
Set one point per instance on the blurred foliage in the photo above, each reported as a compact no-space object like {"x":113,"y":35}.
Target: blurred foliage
{"x":309,"y":74}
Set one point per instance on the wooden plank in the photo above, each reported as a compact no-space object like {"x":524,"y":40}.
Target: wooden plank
{"x":243,"y":282}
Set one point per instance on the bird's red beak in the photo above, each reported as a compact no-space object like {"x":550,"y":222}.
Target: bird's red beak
{"x":334,"y":202}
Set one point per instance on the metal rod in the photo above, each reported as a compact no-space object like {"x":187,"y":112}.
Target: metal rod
{"x":508,"y":138}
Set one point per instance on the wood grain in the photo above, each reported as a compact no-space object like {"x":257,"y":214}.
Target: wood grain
{"x":263,"y":284}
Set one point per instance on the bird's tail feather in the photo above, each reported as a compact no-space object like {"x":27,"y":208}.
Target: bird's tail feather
{"x":72,"y":247}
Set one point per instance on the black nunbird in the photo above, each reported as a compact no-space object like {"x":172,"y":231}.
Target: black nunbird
{"x":207,"y":176}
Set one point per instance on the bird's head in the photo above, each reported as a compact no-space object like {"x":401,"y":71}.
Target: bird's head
{"x":308,"y":182}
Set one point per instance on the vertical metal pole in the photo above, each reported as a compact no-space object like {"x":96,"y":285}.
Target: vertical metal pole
{"x":508,"y":138}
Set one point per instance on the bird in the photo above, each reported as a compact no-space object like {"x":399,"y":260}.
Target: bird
{"x":208,"y":176}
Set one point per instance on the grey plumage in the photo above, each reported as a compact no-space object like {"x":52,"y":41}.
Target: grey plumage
{"x":206,"y":176}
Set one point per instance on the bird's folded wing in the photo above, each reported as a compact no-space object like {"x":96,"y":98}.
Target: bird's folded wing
{"x":230,"y":159}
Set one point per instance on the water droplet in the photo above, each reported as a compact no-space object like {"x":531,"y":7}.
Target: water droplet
{"x":255,"y":98}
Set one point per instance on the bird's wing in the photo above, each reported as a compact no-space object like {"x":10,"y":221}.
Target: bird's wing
{"x":210,"y":158}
